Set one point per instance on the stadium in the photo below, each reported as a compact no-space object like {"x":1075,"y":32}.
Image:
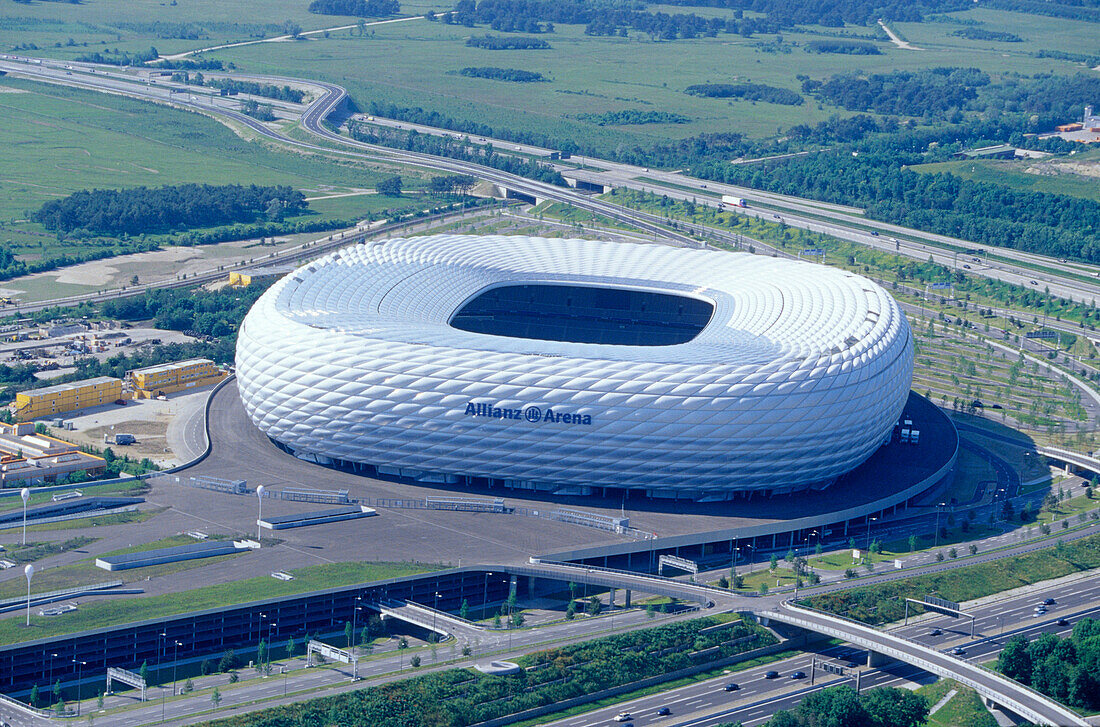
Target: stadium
{"x":576,"y":367}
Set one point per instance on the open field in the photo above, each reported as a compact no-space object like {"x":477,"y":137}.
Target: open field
{"x":965,"y":709}
{"x":110,"y":611}
{"x":1077,"y":176}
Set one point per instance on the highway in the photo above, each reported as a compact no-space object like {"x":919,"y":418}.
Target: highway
{"x":819,"y":217}
{"x":707,"y":703}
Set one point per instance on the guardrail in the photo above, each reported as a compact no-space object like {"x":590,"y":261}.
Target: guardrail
{"x":1002,"y":690}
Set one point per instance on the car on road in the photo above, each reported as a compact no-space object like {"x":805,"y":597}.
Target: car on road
{"x":1034,"y":282}
{"x":1049,"y":602}
{"x":966,"y":266}
{"x":936,"y":632}
{"x":798,"y":675}
{"x":731,"y":687}
{"x":1040,"y":610}
{"x":874,"y":233}
{"x":772,"y":675}
{"x":623,"y":717}
{"x":664,"y":712}
{"x":1063,"y":622}
{"x":958,"y":651}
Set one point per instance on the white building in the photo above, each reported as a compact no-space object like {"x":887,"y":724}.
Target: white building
{"x":573,"y":365}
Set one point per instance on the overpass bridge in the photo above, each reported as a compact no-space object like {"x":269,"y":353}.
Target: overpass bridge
{"x":429,"y":619}
{"x":993,"y":687}
{"x":1072,"y":460}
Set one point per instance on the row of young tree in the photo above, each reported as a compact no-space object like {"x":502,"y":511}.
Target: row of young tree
{"x":141,"y":210}
{"x":268,"y":90}
{"x":1066,"y":669}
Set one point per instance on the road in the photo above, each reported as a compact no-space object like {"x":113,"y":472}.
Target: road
{"x":1011,"y":265}
{"x":707,"y":703}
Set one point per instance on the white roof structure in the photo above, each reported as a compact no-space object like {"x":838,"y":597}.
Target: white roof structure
{"x":783,"y":375}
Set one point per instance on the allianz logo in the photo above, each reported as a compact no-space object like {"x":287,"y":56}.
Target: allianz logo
{"x":529,"y":414}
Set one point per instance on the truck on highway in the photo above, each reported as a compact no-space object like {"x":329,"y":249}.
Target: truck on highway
{"x":734,"y":201}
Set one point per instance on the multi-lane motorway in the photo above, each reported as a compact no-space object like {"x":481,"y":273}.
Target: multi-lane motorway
{"x":708,"y":703}
{"x":1009,"y":265}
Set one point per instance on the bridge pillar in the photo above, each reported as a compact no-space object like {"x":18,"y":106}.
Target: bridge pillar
{"x":611,"y":598}
{"x":628,"y":598}
{"x":530,"y":586}
{"x":1069,"y":469}
{"x":875,"y":659}
{"x":512,"y":583}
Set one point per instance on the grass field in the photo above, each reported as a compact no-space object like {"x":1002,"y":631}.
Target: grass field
{"x":965,"y":709}
{"x":125,"y":610}
{"x":1078,"y":176}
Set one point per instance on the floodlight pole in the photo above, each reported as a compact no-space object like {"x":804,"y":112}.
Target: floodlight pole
{"x":25,"y":493}
{"x":260,"y":512}
{"x":28,"y":572}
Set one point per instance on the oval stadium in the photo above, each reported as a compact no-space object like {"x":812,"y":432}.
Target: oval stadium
{"x":577,"y":367}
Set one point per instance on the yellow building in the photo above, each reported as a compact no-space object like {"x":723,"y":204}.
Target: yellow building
{"x":241,"y":280}
{"x":67,"y":397}
{"x":168,"y":378}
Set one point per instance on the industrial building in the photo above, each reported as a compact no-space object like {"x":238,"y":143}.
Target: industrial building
{"x":27,"y":457}
{"x":154,"y":381}
{"x":577,"y":367}
{"x":67,"y":397}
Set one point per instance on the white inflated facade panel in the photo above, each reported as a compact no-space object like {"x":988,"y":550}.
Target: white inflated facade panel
{"x":798,"y":377}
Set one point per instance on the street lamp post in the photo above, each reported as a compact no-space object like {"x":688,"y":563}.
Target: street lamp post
{"x":79,"y":671}
{"x":355,"y":619}
{"x":175,"y":653}
{"x":284,"y":680}
{"x":939,"y":505}
{"x":260,"y":509}
{"x":25,"y":493}
{"x":485,"y":594}
{"x":869,"y":521}
{"x":28,"y":571}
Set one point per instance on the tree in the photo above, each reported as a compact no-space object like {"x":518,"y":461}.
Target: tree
{"x":773,"y":562}
{"x":390,"y":186}
{"x":261,"y":653}
{"x":890,"y":707}
{"x":234,"y":677}
{"x":228,"y":661}
{"x":403,"y":643}
{"x":464,"y":610}
{"x":292,"y":29}
{"x":517,"y":619}
{"x":143,"y":672}
{"x":1015,"y":660}
{"x":939,"y":557}
{"x":818,"y":549}
{"x":216,"y":697}
{"x":973,"y":549}
{"x":594,"y":606}
{"x":348,"y":633}
{"x":33,"y":699}
{"x":912,"y":543}
{"x":189,"y":686}
{"x":99,"y":700}
{"x":571,"y":611}
{"x":364,"y":635}
{"x":953,"y":553}
{"x":763,"y":589}
{"x":415,"y":661}
{"x":789,"y":557}
{"x":291,"y":648}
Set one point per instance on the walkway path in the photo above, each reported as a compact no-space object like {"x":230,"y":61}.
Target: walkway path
{"x":283,"y":38}
{"x":896,"y":39}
